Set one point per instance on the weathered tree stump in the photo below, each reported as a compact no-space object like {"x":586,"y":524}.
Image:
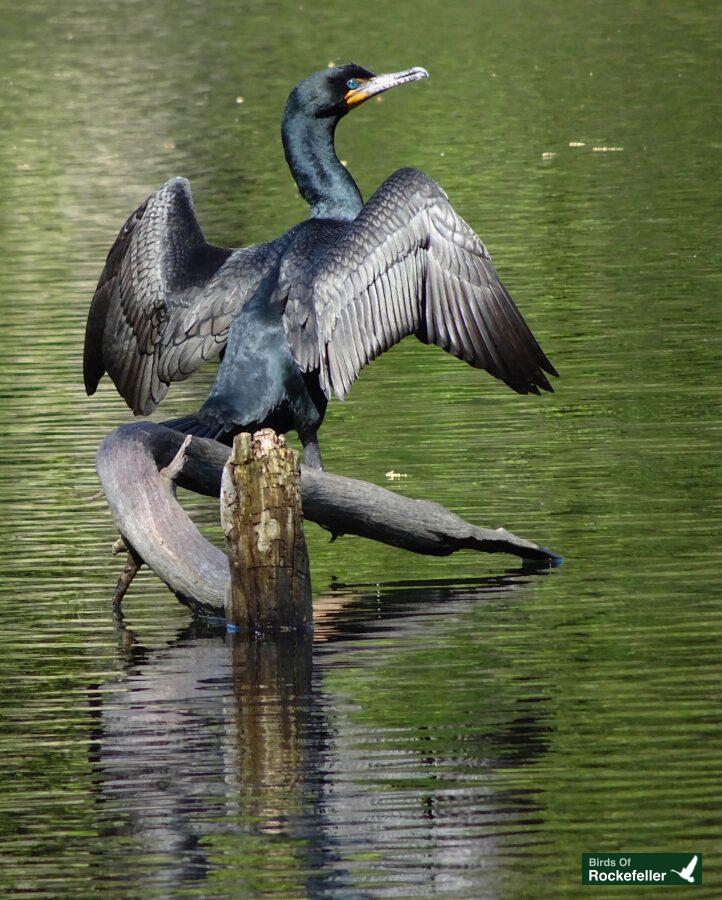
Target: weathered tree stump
{"x":270,"y":583}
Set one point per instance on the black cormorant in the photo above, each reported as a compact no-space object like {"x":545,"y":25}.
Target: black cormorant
{"x":299,"y":317}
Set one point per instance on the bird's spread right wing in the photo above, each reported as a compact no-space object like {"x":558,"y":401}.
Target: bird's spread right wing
{"x":165,"y":300}
{"x":410,"y":265}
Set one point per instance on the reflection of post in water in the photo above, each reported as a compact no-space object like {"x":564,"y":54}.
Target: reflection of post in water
{"x":272,"y":694}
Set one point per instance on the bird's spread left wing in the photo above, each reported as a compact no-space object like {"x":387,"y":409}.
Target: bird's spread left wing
{"x":410,"y":265}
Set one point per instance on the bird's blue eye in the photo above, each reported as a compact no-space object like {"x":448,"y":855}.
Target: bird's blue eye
{"x":352,"y":84}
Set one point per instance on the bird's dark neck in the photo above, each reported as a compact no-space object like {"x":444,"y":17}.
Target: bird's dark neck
{"x":324,"y":183}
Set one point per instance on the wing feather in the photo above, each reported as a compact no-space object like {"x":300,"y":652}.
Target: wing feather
{"x":165,"y":299}
{"x":410,"y":265}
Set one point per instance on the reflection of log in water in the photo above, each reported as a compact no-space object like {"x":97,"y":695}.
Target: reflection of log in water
{"x":218,"y":754}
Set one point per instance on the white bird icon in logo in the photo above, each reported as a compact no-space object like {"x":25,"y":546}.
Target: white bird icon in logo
{"x":686,"y":872}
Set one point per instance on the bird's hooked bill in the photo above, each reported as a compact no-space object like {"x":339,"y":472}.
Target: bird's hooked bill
{"x":380,"y":83}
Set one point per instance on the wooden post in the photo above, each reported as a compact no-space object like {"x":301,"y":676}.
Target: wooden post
{"x":270,"y":584}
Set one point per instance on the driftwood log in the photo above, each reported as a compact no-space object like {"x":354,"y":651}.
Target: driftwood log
{"x":141,"y":464}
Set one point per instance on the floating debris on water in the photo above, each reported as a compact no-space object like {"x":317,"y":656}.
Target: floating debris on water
{"x":607,"y":149}
{"x":548,"y":154}
{"x":394,"y":476}
{"x":239,"y":100}
{"x":577,"y":144}
{"x":169,"y":145}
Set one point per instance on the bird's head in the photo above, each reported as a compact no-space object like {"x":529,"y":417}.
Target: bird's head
{"x":336,"y":90}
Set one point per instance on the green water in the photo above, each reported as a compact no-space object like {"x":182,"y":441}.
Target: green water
{"x":457,"y":726}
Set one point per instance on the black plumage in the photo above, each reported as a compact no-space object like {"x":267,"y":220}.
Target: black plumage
{"x":297,"y":318}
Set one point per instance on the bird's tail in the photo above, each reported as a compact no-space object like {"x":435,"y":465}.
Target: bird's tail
{"x":196,"y":426}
